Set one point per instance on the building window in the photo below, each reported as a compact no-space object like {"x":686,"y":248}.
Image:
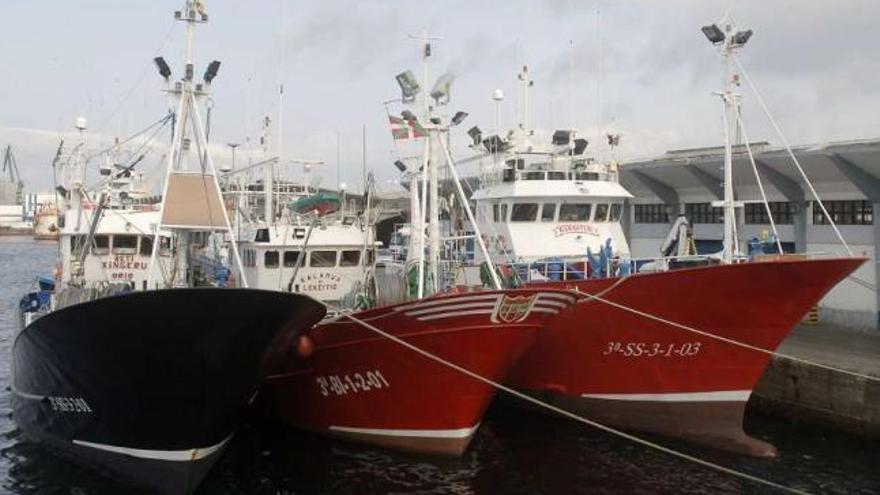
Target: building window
{"x":575,"y":212}
{"x":783,"y":213}
{"x":350,"y":258}
{"x":652,"y":213}
{"x":548,"y":212}
{"x":322,"y":259}
{"x":704,"y":213}
{"x":291,"y":259}
{"x":524,"y":212}
{"x":270,"y":259}
{"x":845,"y":213}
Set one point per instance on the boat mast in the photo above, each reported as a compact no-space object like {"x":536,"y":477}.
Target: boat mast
{"x":188,"y":114}
{"x":434,"y":193}
{"x":728,"y":40}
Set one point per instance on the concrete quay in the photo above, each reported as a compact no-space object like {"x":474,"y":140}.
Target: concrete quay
{"x":800,"y":391}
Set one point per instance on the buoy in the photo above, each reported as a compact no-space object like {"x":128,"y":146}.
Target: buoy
{"x":305,"y":346}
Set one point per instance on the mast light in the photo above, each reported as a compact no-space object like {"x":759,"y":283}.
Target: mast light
{"x":163,"y":68}
{"x":476,"y":135}
{"x":458,"y":118}
{"x":211,"y":71}
{"x":409,"y":86}
{"x":714,"y":33}
{"x":741,"y":37}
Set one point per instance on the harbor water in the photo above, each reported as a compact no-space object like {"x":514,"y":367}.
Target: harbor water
{"x":514,"y":452}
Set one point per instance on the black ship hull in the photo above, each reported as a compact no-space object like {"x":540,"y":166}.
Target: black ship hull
{"x":150,"y":386}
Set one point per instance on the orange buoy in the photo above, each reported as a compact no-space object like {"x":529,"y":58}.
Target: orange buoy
{"x":305,"y":346}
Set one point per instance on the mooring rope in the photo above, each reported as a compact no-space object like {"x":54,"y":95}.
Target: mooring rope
{"x":563,"y":412}
{"x":598,"y":297}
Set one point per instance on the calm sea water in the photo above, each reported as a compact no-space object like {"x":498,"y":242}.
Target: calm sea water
{"x":514,"y":451}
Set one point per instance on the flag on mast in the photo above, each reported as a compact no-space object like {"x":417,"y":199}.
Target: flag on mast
{"x":399,"y":127}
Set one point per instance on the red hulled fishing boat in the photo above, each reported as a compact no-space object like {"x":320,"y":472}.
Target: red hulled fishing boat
{"x":363,"y":386}
{"x":614,"y":365}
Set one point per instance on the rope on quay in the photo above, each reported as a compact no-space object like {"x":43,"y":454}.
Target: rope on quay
{"x":563,"y":412}
{"x":587,"y":297}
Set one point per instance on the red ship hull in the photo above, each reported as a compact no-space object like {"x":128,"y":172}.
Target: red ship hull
{"x":632,"y":372}
{"x":362,"y":386}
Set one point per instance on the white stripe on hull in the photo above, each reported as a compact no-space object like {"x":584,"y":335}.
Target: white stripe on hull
{"x":438,"y":309}
{"x":187,"y":455}
{"x":438,"y":316}
{"x":447,"y":300}
{"x":722,"y":396}
{"x":459,"y":433}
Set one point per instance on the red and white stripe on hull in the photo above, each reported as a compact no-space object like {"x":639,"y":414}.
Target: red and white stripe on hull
{"x":365,"y":387}
{"x":635,"y":372}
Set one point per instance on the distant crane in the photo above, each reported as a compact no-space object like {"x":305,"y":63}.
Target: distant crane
{"x":14,"y":175}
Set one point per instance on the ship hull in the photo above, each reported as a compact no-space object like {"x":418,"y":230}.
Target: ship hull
{"x":629,"y":371}
{"x":364,"y":387}
{"x":149,"y":386}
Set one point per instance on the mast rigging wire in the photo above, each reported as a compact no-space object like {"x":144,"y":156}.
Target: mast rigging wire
{"x":790,"y":152}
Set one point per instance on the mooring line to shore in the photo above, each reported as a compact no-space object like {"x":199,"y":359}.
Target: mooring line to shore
{"x":566,"y":413}
{"x":587,"y":297}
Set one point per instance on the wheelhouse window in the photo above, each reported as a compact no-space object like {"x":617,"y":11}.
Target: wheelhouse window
{"x":291,"y":259}
{"x":533,"y":176}
{"x":262,"y":235}
{"x":524,"y":212}
{"x":548,"y":212}
{"x":556,"y":175}
{"x":575,"y":212}
{"x":270,"y":259}
{"x":350,"y":258}
{"x":101,"y":244}
{"x":166,"y":246}
{"x":495,"y":217}
{"x":125,"y":244}
{"x":146,"y":246}
{"x":371,"y":256}
{"x":614,"y":214}
{"x":75,"y":243}
{"x":601,"y":213}
{"x":322,"y":259}
{"x":503,"y":212}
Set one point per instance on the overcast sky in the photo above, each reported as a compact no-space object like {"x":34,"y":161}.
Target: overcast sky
{"x":638,"y":68}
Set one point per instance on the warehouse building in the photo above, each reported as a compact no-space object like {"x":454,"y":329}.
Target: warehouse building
{"x":846,"y":176}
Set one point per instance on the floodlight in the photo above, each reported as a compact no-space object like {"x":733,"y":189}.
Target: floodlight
{"x":494,"y":144}
{"x":211,"y":71}
{"x":164,"y":70}
{"x":580,"y":145}
{"x":189,"y":72}
{"x":400,"y":165}
{"x":561,"y":137}
{"x":742,"y":37}
{"x":713,"y":33}
{"x":435,"y":120}
{"x":458,"y":118}
{"x":476,"y":135}
{"x":408,"y":116}
{"x":409,"y":86}
{"x":442,"y":88}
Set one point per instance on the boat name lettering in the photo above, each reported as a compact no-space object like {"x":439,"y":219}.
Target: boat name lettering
{"x":317,"y":282}
{"x":575,"y":228}
{"x":652,"y":349}
{"x":351,"y":383}
{"x":69,"y":404}
{"x":124,"y":263}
